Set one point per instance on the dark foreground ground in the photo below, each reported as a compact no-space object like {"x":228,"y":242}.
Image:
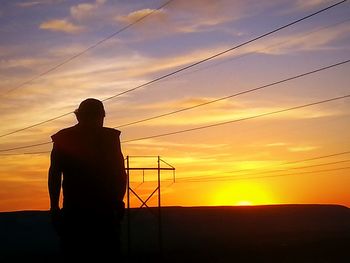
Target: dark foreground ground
{"x":288,"y":233}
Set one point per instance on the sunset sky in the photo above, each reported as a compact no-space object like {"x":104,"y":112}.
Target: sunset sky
{"x":55,"y":53}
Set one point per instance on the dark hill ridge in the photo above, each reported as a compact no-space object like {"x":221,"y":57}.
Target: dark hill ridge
{"x":277,"y":233}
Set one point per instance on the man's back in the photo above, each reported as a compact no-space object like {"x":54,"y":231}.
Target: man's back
{"x":90,"y":159}
{"x":90,"y":162}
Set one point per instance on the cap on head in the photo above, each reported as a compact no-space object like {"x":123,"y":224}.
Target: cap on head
{"x":90,"y":109}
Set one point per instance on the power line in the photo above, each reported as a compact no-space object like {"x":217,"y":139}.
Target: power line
{"x":224,"y":52}
{"x":229,"y":60}
{"x":236,"y":94}
{"x":292,"y":162}
{"x":189,"y":66}
{"x":195,"y":179}
{"x":28,"y":153}
{"x":239,"y":120}
{"x":264,"y":172}
{"x":86,"y":50}
{"x":317,"y":158}
{"x":231,"y":178}
{"x":24,"y":147}
{"x":209,"y":126}
{"x":37,"y":124}
{"x":266,"y":48}
{"x":200,"y":179}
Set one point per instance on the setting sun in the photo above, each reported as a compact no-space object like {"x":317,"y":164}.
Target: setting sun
{"x":244,"y":203}
{"x":242,"y":194}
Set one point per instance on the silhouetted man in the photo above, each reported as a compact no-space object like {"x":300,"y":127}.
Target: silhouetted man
{"x":87,"y":161}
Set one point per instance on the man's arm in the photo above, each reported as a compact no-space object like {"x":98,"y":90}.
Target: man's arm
{"x":122,"y":174}
{"x":121,"y":182}
{"x":54,"y":180}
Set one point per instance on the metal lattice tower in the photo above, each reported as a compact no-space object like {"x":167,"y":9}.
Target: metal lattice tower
{"x":131,"y":191}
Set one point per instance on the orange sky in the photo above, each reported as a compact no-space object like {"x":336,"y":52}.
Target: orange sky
{"x":250,"y":162}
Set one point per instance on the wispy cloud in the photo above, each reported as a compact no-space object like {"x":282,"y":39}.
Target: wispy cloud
{"x":184,"y":103}
{"x":77,"y":12}
{"x":154,"y":65}
{"x":276,"y":144}
{"x":306,"y":5}
{"x":84,"y":10}
{"x":61,"y":25}
{"x":184,"y":16}
{"x":28,"y":4}
{"x":227,"y":111}
{"x":23,"y":62}
{"x":319,"y":39}
{"x":159,"y":15}
{"x":304,"y":148}
{"x":167,"y":22}
{"x":163,"y":143}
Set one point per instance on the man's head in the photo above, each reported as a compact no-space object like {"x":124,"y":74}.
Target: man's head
{"x":90,"y":112}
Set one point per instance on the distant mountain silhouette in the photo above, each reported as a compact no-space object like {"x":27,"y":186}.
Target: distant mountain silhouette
{"x":278,"y":233}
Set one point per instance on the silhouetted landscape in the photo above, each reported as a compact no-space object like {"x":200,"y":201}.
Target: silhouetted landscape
{"x":278,"y":233}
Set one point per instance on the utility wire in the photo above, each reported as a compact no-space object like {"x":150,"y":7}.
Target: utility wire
{"x":37,"y":124}
{"x":208,"y":178}
{"x":231,"y":178}
{"x":191,"y":65}
{"x":288,"y":163}
{"x":239,"y":120}
{"x":208,"y":126}
{"x":236,"y":94}
{"x":28,"y":153}
{"x":264,"y":172}
{"x":85,"y":51}
{"x":225,"y":51}
{"x":24,"y":147}
{"x":319,"y":157}
{"x":307,"y":34}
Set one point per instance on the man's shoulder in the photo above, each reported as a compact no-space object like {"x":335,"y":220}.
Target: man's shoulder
{"x":64,"y":133}
{"x":111,"y":131}
{"x":74,"y":131}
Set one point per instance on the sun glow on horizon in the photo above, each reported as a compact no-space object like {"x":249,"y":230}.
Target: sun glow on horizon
{"x":244,"y":203}
{"x":242,"y":194}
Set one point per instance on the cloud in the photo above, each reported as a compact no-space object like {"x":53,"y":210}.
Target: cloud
{"x":10,"y":50}
{"x":78,"y":12}
{"x":302,"y":148}
{"x":322,"y":39}
{"x":61,"y":25}
{"x":28,"y":4}
{"x":309,"y":4}
{"x":319,"y":39}
{"x":84,"y":10}
{"x":130,"y":64}
{"x":81,"y":10}
{"x":276,"y":144}
{"x":175,"y":104}
{"x":136,"y":15}
{"x":152,"y":142}
{"x":295,"y":148}
{"x":157,"y":65}
{"x":202,"y":24}
{"x":227,"y":111}
{"x":187,"y":16}
{"x":205,"y":15}
{"x":25,"y":62}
